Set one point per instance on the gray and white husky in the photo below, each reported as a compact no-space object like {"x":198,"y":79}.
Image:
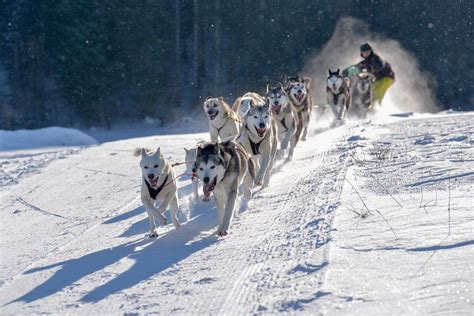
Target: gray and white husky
{"x":299,"y":91}
{"x":158,"y":185}
{"x":338,"y":94}
{"x":258,"y":137}
{"x":224,"y":123}
{"x":362,"y":92}
{"x":284,"y":116}
{"x":223,"y":167}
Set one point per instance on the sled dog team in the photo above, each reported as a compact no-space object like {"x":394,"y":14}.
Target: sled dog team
{"x":243,"y":144}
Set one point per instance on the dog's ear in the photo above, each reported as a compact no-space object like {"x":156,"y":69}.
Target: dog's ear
{"x":186,"y":150}
{"x":221,"y":99}
{"x":208,"y":97}
{"x":337,"y":71}
{"x":329,"y":72}
{"x":143,"y":152}
{"x":268,"y":88}
{"x":158,"y":152}
{"x":307,"y":81}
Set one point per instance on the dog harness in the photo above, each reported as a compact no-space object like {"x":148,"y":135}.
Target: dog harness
{"x":220,"y":128}
{"x":254,"y":146}
{"x":154,"y":192}
{"x":284,"y":124}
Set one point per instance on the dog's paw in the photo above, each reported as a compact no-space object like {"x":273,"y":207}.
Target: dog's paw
{"x":222,"y":233}
{"x":153,"y":234}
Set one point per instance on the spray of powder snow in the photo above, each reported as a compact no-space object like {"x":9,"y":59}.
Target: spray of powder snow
{"x":411,"y":91}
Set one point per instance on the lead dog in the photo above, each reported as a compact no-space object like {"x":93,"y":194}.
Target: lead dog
{"x":284,"y":116}
{"x":223,"y":167}
{"x":224,"y":123}
{"x":259,"y":139}
{"x":158,"y":185}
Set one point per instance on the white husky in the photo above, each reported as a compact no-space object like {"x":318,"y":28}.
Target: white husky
{"x":224,"y":123}
{"x":157,"y":185}
{"x":259,"y":139}
{"x":284,"y":116}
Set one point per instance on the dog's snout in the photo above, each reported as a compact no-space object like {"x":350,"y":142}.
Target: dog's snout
{"x":262,"y":125}
{"x":209,"y":112}
{"x":276,"y":103}
{"x":206,"y":180}
{"x":299,"y":91}
{"x":151,"y":176}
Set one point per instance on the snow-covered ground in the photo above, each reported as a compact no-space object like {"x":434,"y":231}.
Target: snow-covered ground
{"x":372,"y":217}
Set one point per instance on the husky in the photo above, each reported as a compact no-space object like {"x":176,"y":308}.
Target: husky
{"x":224,"y":123}
{"x":223,"y":167}
{"x":157,"y":185}
{"x":284,"y":116}
{"x":190,"y":158}
{"x":259,"y":139}
{"x":243,"y":103}
{"x":362,"y":92}
{"x":338,"y":94}
{"x":299,"y":91}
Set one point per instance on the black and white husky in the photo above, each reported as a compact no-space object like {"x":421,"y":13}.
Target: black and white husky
{"x":284,"y":116}
{"x":158,"y":185}
{"x":223,"y":167}
{"x":299,"y":92}
{"x":259,"y":139}
{"x":338,"y":94}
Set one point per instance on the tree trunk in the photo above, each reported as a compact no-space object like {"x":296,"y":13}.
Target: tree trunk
{"x":217,"y":40}
{"x":195,"y":54}
{"x":178,"y":52}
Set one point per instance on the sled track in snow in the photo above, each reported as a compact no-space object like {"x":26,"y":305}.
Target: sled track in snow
{"x":290,"y":230}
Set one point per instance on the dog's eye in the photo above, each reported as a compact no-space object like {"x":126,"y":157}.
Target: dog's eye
{"x":146,"y":167}
{"x":255,"y":117}
{"x":201,"y":169}
{"x":155,"y":166}
{"x":266,"y":116}
{"x":212,"y":167}
{"x":215,"y":105}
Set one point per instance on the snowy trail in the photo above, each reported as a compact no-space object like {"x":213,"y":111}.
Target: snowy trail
{"x":74,"y":241}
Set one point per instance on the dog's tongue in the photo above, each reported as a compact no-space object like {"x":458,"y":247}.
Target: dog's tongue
{"x":261,"y":131}
{"x":205,"y":190}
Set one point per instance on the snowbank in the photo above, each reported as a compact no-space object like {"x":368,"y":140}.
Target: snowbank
{"x":44,"y":137}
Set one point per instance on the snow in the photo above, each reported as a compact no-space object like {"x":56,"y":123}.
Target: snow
{"x":45,"y":137}
{"x":370,"y":217}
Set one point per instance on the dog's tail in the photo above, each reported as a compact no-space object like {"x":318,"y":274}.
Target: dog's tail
{"x":252,"y":167}
{"x":138,"y":151}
